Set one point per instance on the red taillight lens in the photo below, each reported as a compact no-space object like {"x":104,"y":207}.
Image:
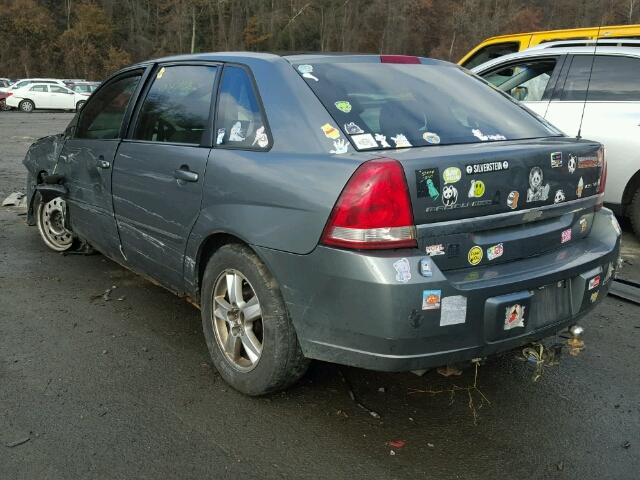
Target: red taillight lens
{"x":9,"y":94}
{"x":374,"y":210}
{"x":399,"y":59}
{"x":603,"y":175}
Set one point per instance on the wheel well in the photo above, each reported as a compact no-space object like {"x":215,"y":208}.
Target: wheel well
{"x":630,"y":189}
{"x":208,"y":248}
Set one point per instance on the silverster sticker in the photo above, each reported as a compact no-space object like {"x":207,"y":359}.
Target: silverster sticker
{"x":487,"y":167}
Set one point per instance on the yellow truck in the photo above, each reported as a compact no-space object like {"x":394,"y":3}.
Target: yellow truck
{"x":494,"y":47}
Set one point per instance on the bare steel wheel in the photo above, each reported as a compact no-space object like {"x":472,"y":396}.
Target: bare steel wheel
{"x":50,"y":218}
{"x":237,"y":320}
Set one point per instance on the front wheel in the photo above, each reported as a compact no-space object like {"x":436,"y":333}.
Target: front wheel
{"x":79,"y":105}
{"x":26,"y":106}
{"x":250,"y":337}
{"x":50,"y":218}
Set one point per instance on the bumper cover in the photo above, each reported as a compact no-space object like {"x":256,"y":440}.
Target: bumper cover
{"x":350,"y":308}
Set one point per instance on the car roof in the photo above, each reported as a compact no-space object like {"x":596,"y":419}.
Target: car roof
{"x":559,"y":50}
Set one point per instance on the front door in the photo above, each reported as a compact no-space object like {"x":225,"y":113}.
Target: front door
{"x":86,"y":161}
{"x":61,"y":98}
{"x":159,"y":171}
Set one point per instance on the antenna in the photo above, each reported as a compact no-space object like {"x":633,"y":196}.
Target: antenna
{"x":586,"y":94}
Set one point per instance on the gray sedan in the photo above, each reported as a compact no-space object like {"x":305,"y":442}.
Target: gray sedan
{"x":387,"y":212}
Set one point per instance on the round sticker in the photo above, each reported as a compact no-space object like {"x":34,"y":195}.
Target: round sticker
{"x":451,"y":175}
{"x":475,"y":255}
{"x":477,"y":189}
{"x":431,"y":137}
{"x":305,"y":68}
{"x":343,"y":106}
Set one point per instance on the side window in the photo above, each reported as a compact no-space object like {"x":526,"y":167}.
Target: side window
{"x":55,"y":89}
{"x":490,"y":52}
{"x":177,"y":106}
{"x":101,"y":117}
{"x":615,"y":79}
{"x":38,"y":88}
{"x":240,"y":121}
{"x":575,"y":86}
{"x":525,"y":81}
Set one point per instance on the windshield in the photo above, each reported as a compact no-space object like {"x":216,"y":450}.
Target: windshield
{"x":387,"y":105}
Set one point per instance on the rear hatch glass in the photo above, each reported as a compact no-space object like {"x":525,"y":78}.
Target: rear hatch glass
{"x":387,"y":105}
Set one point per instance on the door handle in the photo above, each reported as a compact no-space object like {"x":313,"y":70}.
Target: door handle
{"x":102,"y":163}
{"x":183,"y":173}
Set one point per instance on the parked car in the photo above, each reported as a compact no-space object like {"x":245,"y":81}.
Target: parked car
{"x":3,"y":101}
{"x":557,"y":82}
{"x":45,"y":96}
{"x":84,"y":87}
{"x":5,"y":82}
{"x":495,"y":47}
{"x":27,"y":81}
{"x":389,"y":212}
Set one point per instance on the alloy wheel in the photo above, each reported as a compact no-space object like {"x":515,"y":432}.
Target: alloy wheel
{"x":237,"y":320}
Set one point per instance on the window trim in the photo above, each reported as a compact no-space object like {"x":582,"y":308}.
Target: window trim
{"x":154,"y":68}
{"x":121,"y":74}
{"x":263,"y":111}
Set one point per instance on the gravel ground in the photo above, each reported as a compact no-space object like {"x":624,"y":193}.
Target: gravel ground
{"x":125,"y":389}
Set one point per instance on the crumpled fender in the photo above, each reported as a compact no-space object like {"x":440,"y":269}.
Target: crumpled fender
{"x":42,"y":156}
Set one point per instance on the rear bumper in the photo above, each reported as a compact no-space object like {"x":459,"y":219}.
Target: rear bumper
{"x":349,"y":308}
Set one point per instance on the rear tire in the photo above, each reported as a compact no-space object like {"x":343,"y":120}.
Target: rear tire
{"x":79,"y":105}
{"x":634,"y":213}
{"x":27,"y":106}
{"x":250,"y":336}
{"x":3,"y":105}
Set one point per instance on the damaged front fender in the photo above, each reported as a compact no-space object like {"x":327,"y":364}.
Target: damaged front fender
{"x":41,"y":159}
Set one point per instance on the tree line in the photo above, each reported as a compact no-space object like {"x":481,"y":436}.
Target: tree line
{"x":92,"y":38}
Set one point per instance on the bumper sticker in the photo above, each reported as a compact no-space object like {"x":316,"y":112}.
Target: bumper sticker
{"x":495,"y":251}
{"x":594,"y":282}
{"x":401,"y":141}
{"x":565,"y":236}
{"x":594,"y":297}
{"x":514,"y":316}
{"x":537,"y":192}
{"x":556,"y":159}
{"x":512,"y":200}
{"x":403,"y":270}
{"x":428,"y":183}
{"x":352,"y":128}
{"x":579,"y":188}
{"x":449,"y":195}
{"x":560,"y":197}
{"x":477,"y":189}
{"x":451,"y":175}
{"x":330,"y":131}
{"x":339,"y":146}
{"x":425,"y":267}
{"x":487,"y":167}
{"x":364,"y":141}
{"x":431,"y":299}
{"x":435,"y":249}
{"x":261,"y":138}
{"x":584,"y":224}
{"x":307,"y":72}
{"x":453,"y":311}
{"x":572,"y":164}
{"x":343,"y":105}
{"x":383,"y":140}
{"x":431,"y":137}
{"x":475,"y":255}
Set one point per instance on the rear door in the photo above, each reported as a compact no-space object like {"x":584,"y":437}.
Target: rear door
{"x":40,"y":96}
{"x":159,"y":170}
{"x":530,"y":81}
{"x":61,"y":98}
{"x":612,"y":117}
{"x":87,"y":157}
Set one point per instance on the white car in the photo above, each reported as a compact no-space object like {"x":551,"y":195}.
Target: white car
{"x":23,"y":82}
{"x":44,"y":96}
{"x":556,"y":80}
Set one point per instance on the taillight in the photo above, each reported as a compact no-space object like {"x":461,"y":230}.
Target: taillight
{"x":374,"y":210}
{"x":603,"y":173}
{"x":9,"y":94}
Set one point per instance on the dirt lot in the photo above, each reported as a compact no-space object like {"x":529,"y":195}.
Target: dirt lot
{"x":124,"y":388}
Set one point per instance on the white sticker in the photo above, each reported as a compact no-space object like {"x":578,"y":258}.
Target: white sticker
{"x":403,"y":270}
{"x":220,"y":137}
{"x":352,"y":128}
{"x":383,"y":140}
{"x":401,"y":141}
{"x":339,"y":146}
{"x":364,"y":141}
{"x":453,"y":310}
{"x":261,"y":138}
{"x":537,"y":192}
{"x":481,"y":136}
{"x":514,"y":316}
{"x":235,"y":135}
{"x":306,"y":71}
{"x":431,"y":137}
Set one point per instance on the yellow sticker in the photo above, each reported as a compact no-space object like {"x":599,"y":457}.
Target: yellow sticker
{"x":331,"y":132}
{"x":160,"y":73}
{"x":477,"y":189}
{"x":475,"y":255}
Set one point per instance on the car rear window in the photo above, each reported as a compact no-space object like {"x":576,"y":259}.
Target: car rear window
{"x":393,"y":105}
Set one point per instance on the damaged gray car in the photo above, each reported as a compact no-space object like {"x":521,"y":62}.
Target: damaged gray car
{"x":387,"y":212}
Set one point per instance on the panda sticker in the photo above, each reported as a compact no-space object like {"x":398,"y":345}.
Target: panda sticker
{"x":449,"y":195}
{"x":560,"y":197}
{"x":536,"y":191}
{"x":571,"y":165}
